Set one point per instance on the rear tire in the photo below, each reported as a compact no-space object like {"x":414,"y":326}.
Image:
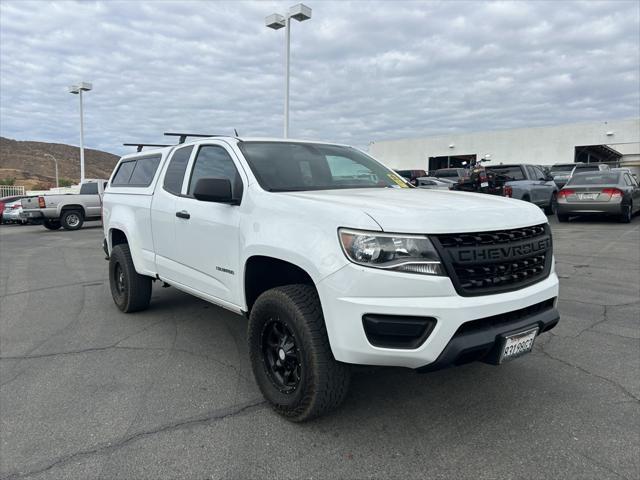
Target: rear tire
{"x":526,"y":198}
{"x":551,"y":208}
{"x":562,"y":217}
{"x":72,"y":219}
{"x":131,"y":291}
{"x":627,"y":213}
{"x":291,"y":356}
{"x":52,"y":224}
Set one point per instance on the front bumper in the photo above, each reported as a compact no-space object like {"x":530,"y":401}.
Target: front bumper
{"x":354,"y":291}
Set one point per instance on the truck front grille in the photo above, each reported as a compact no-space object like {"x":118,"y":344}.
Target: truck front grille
{"x":485,"y":263}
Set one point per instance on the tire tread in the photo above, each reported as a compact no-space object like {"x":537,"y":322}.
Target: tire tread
{"x":138,"y":293}
{"x":331,"y":378}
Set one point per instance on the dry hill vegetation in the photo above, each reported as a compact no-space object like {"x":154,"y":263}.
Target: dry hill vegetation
{"x":27,"y":163}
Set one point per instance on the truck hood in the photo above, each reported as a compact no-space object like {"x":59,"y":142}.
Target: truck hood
{"x":430,"y":211}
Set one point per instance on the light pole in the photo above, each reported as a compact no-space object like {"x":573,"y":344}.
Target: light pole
{"x":56,"y":162}
{"x":77,"y":90}
{"x":276,"y":21}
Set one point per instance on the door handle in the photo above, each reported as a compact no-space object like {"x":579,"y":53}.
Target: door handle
{"x":183,"y":214}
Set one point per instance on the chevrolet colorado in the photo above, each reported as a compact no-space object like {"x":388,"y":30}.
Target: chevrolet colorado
{"x":334,"y":259}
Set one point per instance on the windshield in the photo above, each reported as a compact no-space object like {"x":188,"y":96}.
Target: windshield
{"x":562,"y":168}
{"x":290,"y":167}
{"x":594,"y":179}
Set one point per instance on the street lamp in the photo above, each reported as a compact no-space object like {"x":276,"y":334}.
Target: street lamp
{"x":56,"y":162}
{"x":300,"y":12}
{"x":77,"y":90}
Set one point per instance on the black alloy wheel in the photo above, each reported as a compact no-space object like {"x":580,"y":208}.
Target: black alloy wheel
{"x":281,"y":356}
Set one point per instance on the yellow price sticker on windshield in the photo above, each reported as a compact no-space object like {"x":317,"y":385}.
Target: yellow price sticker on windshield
{"x":400,"y":182}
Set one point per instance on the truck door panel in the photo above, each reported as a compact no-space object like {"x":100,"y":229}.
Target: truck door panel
{"x":207,"y":233}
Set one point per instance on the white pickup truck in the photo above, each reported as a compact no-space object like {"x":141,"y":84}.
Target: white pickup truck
{"x":334,"y":259}
{"x":66,"y":210}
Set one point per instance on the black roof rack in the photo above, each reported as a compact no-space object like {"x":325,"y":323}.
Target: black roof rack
{"x":183,"y":136}
{"x":140,"y":145}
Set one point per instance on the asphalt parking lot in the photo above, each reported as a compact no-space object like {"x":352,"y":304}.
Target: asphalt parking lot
{"x":88,"y":392}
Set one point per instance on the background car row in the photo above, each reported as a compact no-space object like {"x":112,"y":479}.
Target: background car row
{"x":11,"y":209}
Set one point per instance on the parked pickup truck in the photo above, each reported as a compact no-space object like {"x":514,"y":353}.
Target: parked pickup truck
{"x":528,"y":183}
{"x":69,"y":210}
{"x":332,"y":267}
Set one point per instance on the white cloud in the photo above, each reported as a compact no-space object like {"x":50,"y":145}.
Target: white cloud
{"x":361,"y":71}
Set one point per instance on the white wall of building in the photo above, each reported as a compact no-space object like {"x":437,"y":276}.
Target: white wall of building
{"x":538,"y":145}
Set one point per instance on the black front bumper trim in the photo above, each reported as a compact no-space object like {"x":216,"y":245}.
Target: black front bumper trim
{"x":480,"y":340}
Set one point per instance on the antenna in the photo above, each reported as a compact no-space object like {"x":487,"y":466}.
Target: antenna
{"x":140,"y":145}
{"x":236,"y":132}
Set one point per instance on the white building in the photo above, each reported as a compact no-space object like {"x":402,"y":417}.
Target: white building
{"x":612,"y":141}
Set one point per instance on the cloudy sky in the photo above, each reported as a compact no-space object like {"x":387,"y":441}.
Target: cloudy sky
{"x":361,"y":71}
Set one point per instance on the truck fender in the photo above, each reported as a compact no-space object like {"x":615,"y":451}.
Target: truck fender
{"x":72,"y":206}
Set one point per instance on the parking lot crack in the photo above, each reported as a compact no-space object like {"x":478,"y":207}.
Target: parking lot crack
{"x":602,"y":466}
{"x":620,"y":387}
{"x":56,"y":354}
{"x":110,"y":447}
{"x":85,"y":283}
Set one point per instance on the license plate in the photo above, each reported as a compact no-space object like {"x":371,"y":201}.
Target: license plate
{"x":484,"y":184}
{"x":517,"y":345}
{"x":588,"y":196}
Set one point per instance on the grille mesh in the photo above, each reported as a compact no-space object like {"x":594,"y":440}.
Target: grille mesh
{"x":516,"y":263}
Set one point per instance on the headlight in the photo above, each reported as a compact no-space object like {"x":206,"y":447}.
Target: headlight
{"x":398,"y":252}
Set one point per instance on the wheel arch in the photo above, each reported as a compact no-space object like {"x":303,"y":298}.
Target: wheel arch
{"x":263,"y":272}
{"x":73,"y":206}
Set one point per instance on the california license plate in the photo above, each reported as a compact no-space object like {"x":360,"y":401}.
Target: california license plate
{"x":588,"y":196}
{"x":517,"y":344}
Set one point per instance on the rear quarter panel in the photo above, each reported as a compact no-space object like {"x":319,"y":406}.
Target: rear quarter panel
{"x":131,"y":213}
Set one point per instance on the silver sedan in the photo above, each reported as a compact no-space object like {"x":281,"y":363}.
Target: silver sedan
{"x":605,"y":192}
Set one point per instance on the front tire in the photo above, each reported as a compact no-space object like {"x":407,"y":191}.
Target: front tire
{"x":72,"y":219}
{"x":291,"y":356}
{"x":131,"y":291}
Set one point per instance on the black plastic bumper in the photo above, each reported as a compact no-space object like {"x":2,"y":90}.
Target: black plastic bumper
{"x":481,"y":340}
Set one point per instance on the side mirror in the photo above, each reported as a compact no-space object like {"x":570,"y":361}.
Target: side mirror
{"x":214,"y":190}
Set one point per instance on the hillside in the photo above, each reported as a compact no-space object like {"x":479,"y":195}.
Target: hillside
{"x":25,"y":161}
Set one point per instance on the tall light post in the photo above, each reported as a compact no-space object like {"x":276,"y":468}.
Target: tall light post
{"x":276,"y":21}
{"x":56,"y":162}
{"x":77,"y":90}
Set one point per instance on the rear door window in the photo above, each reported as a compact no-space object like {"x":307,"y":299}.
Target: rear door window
{"x":176,"y":169}
{"x":89,"y":188}
{"x":123,"y":174}
{"x":538,"y":174}
{"x":144,"y":171}
{"x":136,"y":172}
{"x":628,"y":180}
